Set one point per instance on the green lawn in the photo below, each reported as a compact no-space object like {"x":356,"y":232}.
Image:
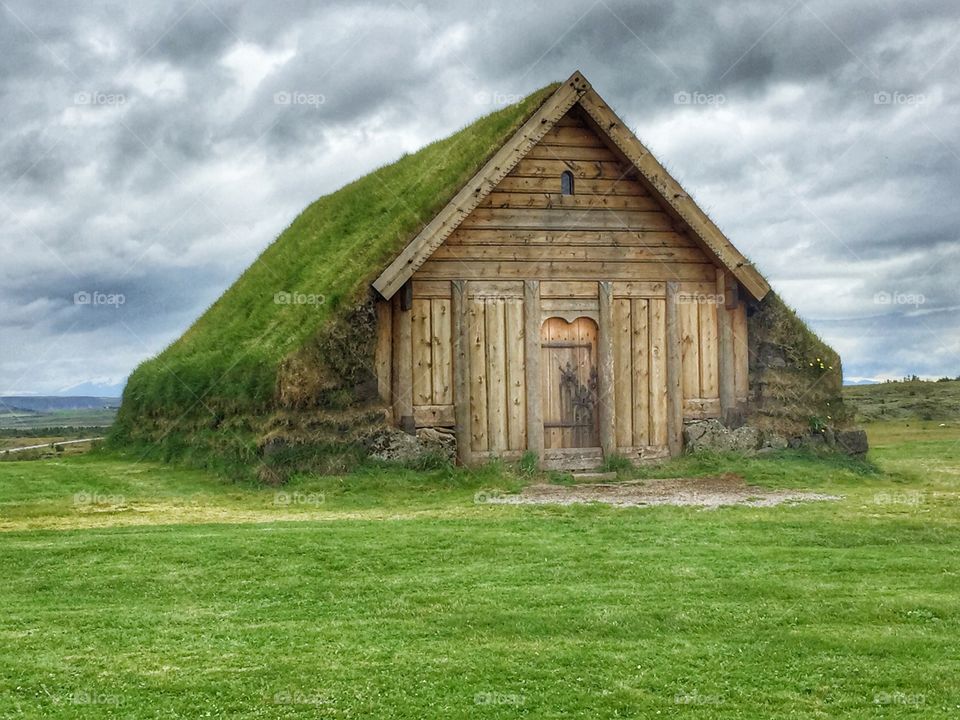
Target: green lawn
{"x":137,"y":590}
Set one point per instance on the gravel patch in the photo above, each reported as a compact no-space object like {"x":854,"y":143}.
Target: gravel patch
{"x":708,"y":493}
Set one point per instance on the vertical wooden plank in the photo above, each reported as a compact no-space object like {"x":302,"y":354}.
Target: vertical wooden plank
{"x":606,"y":390}
{"x":690,"y":347}
{"x":644,"y":395}
{"x":441,"y":328}
{"x":384,"y":352}
{"x":674,"y":371}
{"x":550,"y":359}
{"x":403,"y":350}
{"x":725,"y":352}
{"x":461,"y":368}
{"x":496,"y":377}
{"x":709,"y":379}
{"x":657,"y":355}
{"x":531,"y":327}
{"x":516,"y":380}
{"x":741,"y":352}
{"x":478,"y":376}
{"x":623,"y":372}
{"x":422,"y":352}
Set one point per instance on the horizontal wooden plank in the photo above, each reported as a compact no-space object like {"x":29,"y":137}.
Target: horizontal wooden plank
{"x":581,"y":169}
{"x":571,"y":120}
{"x":584,"y":187}
{"x":546,"y":151}
{"x":556,"y":219}
{"x":564,"y":270}
{"x":495,"y":289}
{"x":656,"y":289}
{"x":575,"y":289}
{"x":568,"y":252}
{"x":431,"y":288}
{"x":615,"y":238}
{"x":433,"y":415}
{"x":551,"y":306}
{"x":548,"y":200}
{"x":565,"y":135}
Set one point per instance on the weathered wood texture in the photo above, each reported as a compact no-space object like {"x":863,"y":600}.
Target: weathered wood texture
{"x":674,"y":379}
{"x":471,"y":194}
{"x":527,"y":253}
{"x":606,"y":390}
{"x":531,"y":326}
{"x":460,"y":339}
{"x":403,"y":366}
{"x":570,"y":382}
{"x":383,"y":360}
{"x":497,"y":383}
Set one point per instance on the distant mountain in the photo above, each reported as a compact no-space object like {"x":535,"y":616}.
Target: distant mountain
{"x":46,"y":403}
{"x":860,"y":381}
{"x":94,"y":388}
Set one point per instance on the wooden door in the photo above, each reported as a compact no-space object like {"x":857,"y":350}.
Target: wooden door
{"x":568,"y":368}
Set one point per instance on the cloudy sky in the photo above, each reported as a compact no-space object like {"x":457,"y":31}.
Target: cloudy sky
{"x":147,"y":154}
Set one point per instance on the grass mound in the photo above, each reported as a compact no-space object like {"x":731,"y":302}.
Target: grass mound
{"x":291,"y":330}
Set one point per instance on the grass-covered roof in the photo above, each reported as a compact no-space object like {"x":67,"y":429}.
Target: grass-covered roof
{"x":229,"y":358}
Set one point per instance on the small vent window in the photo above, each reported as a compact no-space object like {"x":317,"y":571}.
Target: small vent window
{"x":566,"y":183}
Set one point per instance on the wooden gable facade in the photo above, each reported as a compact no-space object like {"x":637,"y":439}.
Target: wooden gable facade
{"x":571,"y":300}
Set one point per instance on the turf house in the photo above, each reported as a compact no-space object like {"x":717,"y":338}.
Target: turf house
{"x":537,"y":283}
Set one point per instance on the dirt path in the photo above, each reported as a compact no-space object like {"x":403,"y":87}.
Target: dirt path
{"x":702,"y":492}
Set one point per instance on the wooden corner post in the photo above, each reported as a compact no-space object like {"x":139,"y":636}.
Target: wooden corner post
{"x":607,"y":395}
{"x":531,"y":354}
{"x":403,"y":363}
{"x":674,"y":372}
{"x":461,"y":368}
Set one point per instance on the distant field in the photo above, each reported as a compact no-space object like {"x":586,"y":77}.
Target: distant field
{"x":79,"y":418}
{"x":915,"y":400}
